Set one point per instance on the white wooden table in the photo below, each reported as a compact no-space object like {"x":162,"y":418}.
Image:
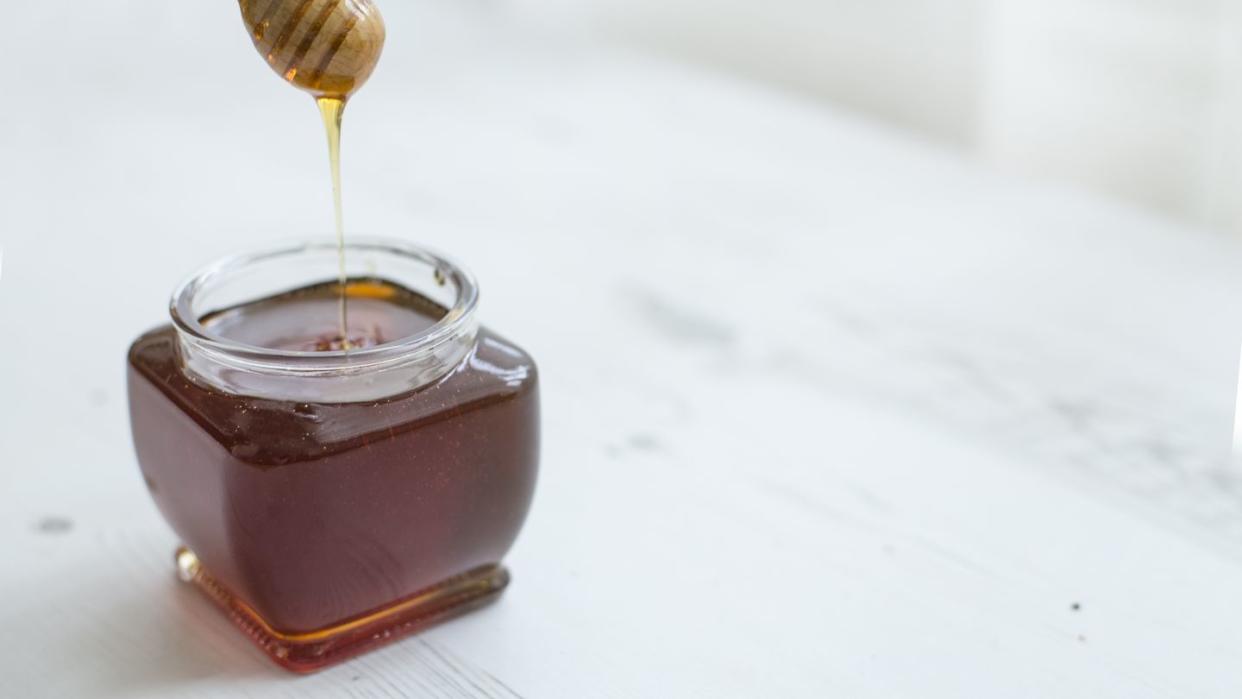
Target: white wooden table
{"x":828,"y":412}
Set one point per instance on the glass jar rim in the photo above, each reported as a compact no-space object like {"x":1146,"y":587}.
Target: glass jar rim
{"x":458,"y":320}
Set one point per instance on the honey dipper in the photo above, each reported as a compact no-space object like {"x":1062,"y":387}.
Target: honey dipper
{"x":325,"y":47}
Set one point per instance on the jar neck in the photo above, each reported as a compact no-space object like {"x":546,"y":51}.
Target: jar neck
{"x":338,"y":376}
{"x":348,"y":379}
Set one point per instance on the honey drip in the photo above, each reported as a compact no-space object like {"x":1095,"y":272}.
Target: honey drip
{"x":332,"y":109}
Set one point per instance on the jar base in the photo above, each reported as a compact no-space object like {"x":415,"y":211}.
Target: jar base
{"x":308,"y":651}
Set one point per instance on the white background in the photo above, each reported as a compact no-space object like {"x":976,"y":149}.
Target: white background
{"x":1137,"y":99}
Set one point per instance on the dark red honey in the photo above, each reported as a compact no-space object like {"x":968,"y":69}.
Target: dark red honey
{"x":325,"y":525}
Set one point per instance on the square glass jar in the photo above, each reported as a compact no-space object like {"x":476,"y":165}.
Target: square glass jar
{"x":331,"y":501}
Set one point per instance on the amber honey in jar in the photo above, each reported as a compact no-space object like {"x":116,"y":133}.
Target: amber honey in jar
{"x":336,"y":493}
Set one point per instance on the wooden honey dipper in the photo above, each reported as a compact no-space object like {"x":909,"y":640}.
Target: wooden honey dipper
{"x":325,"y":47}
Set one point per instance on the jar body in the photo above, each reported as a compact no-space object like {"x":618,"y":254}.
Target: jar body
{"x":324,"y":527}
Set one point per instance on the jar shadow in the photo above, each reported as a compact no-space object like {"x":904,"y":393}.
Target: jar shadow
{"x":159,"y":637}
